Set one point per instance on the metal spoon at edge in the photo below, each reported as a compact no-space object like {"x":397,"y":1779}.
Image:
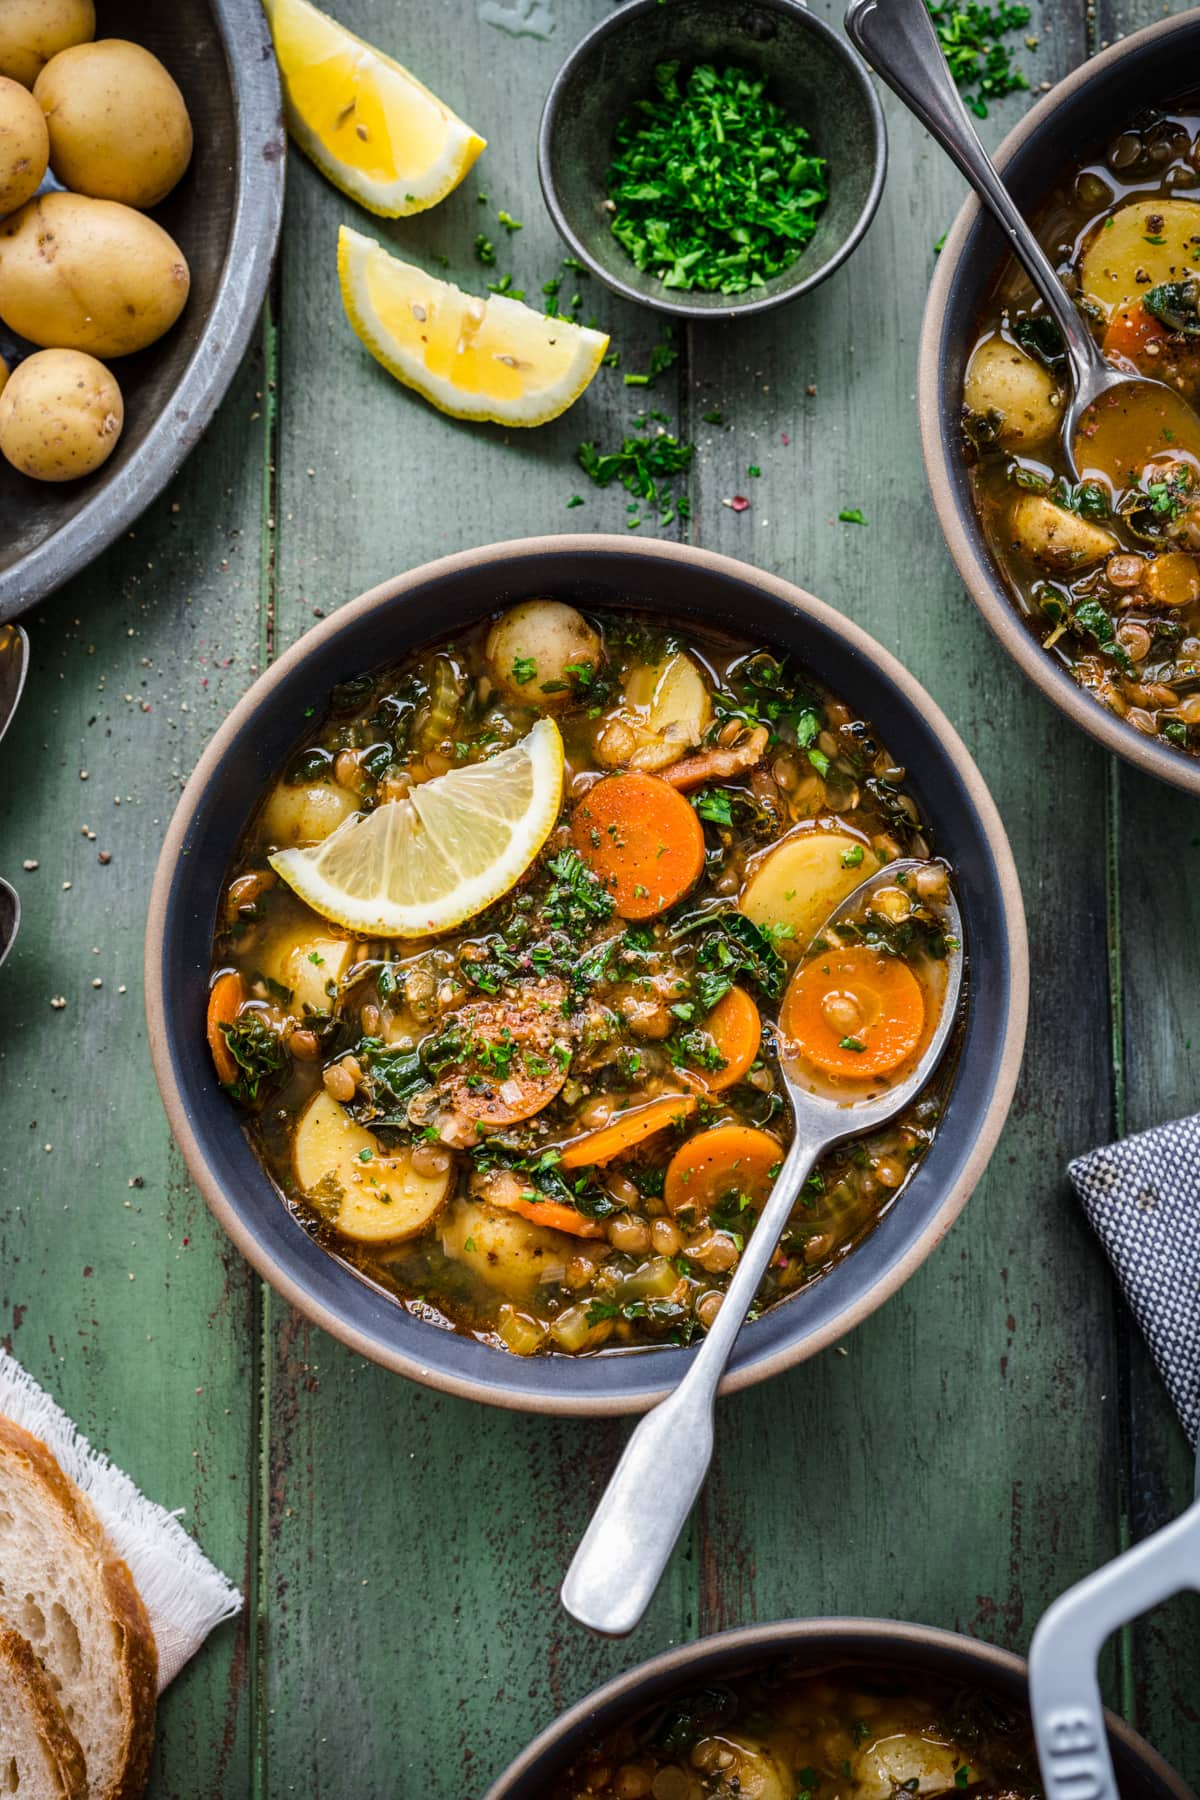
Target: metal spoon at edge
{"x":645,"y":1506}
{"x":898,"y":38}
{"x":14,"y":661}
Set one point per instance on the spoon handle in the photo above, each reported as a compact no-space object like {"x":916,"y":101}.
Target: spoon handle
{"x":898,"y":38}
{"x":645,"y":1506}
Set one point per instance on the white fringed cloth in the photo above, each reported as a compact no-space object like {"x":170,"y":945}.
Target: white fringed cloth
{"x":183,"y":1593}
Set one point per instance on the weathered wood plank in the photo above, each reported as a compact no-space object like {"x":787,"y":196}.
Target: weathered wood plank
{"x":444,"y":1528}
{"x":116,"y":1289}
{"x":1161,"y":1079}
{"x":905,"y":1507}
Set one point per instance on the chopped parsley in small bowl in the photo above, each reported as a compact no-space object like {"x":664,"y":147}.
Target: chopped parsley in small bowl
{"x":703,"y":159}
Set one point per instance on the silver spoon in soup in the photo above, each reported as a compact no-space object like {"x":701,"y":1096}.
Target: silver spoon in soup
{"x":1117,"y":421}
{"x":862,"y":1028}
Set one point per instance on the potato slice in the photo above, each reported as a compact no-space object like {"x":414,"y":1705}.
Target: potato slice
{"x":664,"y":711}
{"x":1024,"y":395}
{"x":1140,"y":244}
{"x":298,"y":960}
{"x":369,"y":1194}
{"x":797,"y":885}
{"x":504,"y":1250}
{"x":1049,"y":534}
{"x":305,"y":815}
{"x":906,"y":1761}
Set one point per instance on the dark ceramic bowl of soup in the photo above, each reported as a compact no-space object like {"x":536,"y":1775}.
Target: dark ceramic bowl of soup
{"x":850,"y":1709}
{"x":515,"y":1154}
{"x":1093,"y":588}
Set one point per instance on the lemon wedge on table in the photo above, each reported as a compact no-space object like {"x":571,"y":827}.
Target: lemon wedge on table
{"x":440,"y":855}
{"x":368,"y":124}
{"x":475,"y":359}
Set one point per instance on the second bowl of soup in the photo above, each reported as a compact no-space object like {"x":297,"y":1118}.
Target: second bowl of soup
{"x":1091,"y":584}
{"x":479,"y":912}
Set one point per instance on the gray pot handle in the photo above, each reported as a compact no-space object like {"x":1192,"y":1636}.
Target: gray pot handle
{"x":1064,"y":1692}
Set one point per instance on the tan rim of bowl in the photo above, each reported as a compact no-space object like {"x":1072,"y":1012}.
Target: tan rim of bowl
{"x":979,"y":1660}
{"x":982,"y":580}
{"x":392,"y":593}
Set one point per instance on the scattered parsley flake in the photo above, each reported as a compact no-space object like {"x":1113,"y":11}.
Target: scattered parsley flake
{"x":852,"y":515}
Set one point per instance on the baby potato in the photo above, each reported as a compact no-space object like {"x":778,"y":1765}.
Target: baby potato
{"x":61,"y":414}
{"x":663,"y":712}
{"x":504,"y":1250}
{"x":795,"y":886}
{"x":304,"y":815}
{"x":83,"y":274}
{"x":1049,"y":534}
{"x":533,"y":648}
{"x":1140,"y":244}
{"x":32,"y":31}
{"x":1024,"y":396}
{"x":119,"y":127}
{"x":24,"y":145}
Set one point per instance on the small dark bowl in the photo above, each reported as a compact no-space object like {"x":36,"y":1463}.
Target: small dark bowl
{"x":1080,"y":114}
{"x":225,"y":216}
{"x":823,"y":1643}
{"x":813,"y":73}
{"x":261,"y":733}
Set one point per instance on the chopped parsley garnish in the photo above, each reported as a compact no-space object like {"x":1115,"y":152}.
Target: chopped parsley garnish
{"x":715,"y":805}
{"x":970,"y":40}
{"x":851,"y":859}
{"x":578,"y":899}
{"x":714,"y":186}
{"x":662,"y":356}
{"x":851,"y":1043}
{"x":509,"y":223}
{"x":523,"y":670}
{"x":485,"y":250}
{"x":852,"y":515}
{"x":640,"y":465}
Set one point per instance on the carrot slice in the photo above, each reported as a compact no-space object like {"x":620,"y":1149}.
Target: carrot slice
{"x":853,"y":1012}
{"x":554,"y":1213}
{"x":642,"y":839}
{"x":736,"y":1030}
{"x":1129,"y":332}
{"x":729,"y":1159}
{"x":224,"y":1003}
{"x":628,"y":1130}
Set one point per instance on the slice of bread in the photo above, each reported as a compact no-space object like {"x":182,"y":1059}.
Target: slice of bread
{"x":63,"y":1588}
{"x":40,"y":1758}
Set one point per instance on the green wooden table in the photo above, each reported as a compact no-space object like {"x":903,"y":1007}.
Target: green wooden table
{"x":995,"y":1431}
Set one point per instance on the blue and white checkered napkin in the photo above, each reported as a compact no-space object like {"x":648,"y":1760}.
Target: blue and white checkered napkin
{"x":1142,"y":1197}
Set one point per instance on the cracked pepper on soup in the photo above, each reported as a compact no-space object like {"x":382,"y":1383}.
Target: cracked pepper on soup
{"x":1106,"y":570}
{"x":784,"y":1732}
{"x":500,"y":956}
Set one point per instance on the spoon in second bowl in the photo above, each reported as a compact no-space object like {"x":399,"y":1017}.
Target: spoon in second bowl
{"x":840,"y":1085}
{"x":1116,"y":419}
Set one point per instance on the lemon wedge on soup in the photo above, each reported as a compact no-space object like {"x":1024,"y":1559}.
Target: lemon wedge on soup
{"x":440,"y":855}
{"x":368,"y":124}
{"x":474,"y":359}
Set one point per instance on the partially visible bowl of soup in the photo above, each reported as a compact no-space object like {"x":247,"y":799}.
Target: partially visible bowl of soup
{"x":482,"y":933}
{"x":1090,"y":579}
{"x":844,"y":1709}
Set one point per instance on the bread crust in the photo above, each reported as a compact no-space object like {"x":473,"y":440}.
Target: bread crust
{"x":138,"y":1654}
{"x":27,"y":1673}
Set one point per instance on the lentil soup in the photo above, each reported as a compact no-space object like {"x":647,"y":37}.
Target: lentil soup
{"x":781,"y":1731}
{"x":1106,"y":570}
{"x":550,"y":1124}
